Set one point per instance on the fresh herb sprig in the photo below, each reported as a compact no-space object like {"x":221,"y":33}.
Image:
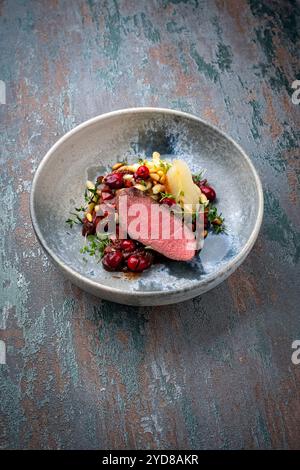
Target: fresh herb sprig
{"x":216,"y":220}
{"x":199,"y":176}
{"x":164,"y":195}
{"x":95,"y":246}
{"x":165,"y":165}
{"x":76,"y":219}
{"x":87,"y":194}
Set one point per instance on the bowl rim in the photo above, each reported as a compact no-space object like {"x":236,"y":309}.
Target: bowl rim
{"x":94,"y":285}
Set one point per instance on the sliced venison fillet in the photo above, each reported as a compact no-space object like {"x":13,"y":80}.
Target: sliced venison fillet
{"x":152,"y":224}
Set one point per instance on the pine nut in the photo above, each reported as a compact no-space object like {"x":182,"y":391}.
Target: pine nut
{"x":154,"y":176}
{"x":117,"y":165}
{"x":90,"y":185}
{"x":133,"y":167}
{"x":122,"y":168}
{"x":140,"y":187}
{"x":128,"y":177}
{"x":203,"y":199}
{"x":90,"y":207}
{"x":217,"y":221}
{"x":158,"y":188}
{"x":162,"y":179}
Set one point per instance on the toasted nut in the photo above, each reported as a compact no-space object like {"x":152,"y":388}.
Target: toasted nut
{"x":130,"y":168}
{"x":133,"y":167}
{"x":122,"y":168}
{"x":162,"y":178}
{"x":154,"y":176}
{"x":117,"y":165}
{"x":158,"y":188}
{"x":217,"y":221}
{"x":160,"y":172}
{"x":99,"y":191}
{"x":149,"y":185}
{"x":89,"y":217}
{"x":156,"y":156}
{"x":90,"y":185}
{"x":90,"y":207}
{"x":128,"y":177}
{"x":97,"y":208}
{"x":141,"y":187}
{"x":203,"y":199}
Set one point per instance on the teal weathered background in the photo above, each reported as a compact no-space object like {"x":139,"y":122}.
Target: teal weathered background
{"x":215,"y":372}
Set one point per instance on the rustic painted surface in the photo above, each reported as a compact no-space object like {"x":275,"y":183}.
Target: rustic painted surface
{"x":215,"y":372}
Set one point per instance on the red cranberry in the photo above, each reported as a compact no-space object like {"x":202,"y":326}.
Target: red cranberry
{"x":169,"y":201}
{"x":113,"y":260}
{"x":114,"y":180}
{"x":106,"y":196}
{"x":128,"y":183}
{"x":128,"y":245}
{"x":209,"y":192}
{"x":88,"y":228}
{"x":142,"y":172}
{"x":138,"y":263}
{"x":133,"y":263}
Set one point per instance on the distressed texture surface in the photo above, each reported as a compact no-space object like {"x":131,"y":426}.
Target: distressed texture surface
{"x":215,"y":372}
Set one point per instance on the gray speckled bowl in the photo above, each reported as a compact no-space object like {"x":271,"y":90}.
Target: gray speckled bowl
{"x":94,"y":146}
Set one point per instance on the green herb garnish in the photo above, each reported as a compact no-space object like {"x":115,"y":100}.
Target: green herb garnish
{"x":165,"y":165}
{"x":95,"y":245}
{"x":74,"y":220}
{"x":87,"y":194}
{"x":216,"y":220}
{"x":199,"y":176}
{"x":164,"y":195}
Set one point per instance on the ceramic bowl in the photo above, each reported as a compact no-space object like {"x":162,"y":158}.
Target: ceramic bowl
{"x":93,"y":147}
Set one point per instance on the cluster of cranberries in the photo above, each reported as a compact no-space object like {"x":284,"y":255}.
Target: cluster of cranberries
{"x":207,"y":190}
{"x":210,"y":193}
{"x":129,"y":255}
{"x":106,"y":189}
{"x":107,"y":186}
{"x":119,"y":255}
{"x":116,"y":180}
{"x":126,"y":255}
